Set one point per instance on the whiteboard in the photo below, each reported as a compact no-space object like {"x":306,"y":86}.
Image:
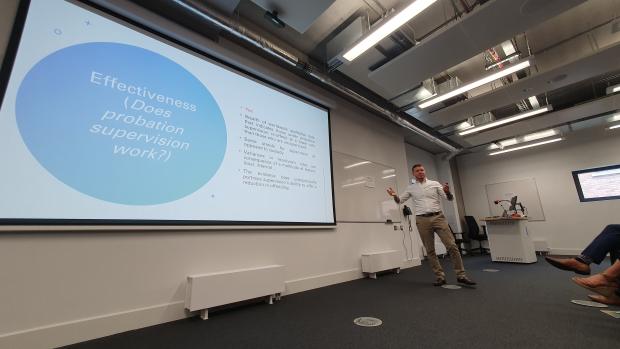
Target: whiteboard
{"x":526,"y":192}
{"x":360,"y":190}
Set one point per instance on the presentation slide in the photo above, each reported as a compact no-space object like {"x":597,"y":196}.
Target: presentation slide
{"x":100,"y":121}
{"x":598,"y":184}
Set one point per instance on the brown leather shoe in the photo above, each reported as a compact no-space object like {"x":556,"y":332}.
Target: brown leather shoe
{"x":570,"y":264}
{"x":465,"y":281}
{"x":439,"y":282}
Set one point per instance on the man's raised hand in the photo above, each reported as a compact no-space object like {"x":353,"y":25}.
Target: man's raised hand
{"x":446,"y":188}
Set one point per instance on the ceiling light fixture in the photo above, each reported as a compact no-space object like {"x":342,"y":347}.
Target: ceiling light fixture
{"x":505,"y":120}
{"x":472,"y":85}
{"x":508,"y":142}
{"x":527,"y":146}
{"x":503,"y":144}
{"x":614,"y":118}
{"x":387,"y":28}
{"x":612,"y":89}
{"x":614,"y":127}
{"x":539,"y":135}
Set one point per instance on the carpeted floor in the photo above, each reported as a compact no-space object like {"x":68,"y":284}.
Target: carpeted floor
{"x":522,"y":306}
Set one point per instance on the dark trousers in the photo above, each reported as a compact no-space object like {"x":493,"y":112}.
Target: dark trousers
{"x":608,"y":241}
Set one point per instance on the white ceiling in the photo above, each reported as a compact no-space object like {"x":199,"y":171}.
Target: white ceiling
{"x":571,"y":41}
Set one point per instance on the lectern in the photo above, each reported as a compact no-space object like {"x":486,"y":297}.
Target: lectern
{"x":509,"y":240}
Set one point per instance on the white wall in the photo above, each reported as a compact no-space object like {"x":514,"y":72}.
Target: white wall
{"x":569,"y":224}
{"x":62,"y":287}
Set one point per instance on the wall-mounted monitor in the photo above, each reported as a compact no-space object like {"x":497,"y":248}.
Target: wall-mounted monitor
{"x":595,"y":184}
{"x":106,"y":122}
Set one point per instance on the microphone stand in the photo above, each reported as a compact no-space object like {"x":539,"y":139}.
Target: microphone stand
{"x":505,"y":213}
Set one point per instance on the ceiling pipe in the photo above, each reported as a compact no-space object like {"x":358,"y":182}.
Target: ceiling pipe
{"x":249,"y":37}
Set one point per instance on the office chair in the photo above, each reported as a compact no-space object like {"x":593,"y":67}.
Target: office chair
{"x":474,"y":232}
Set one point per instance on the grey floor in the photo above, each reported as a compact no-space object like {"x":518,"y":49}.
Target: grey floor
{"x":522,"y":306}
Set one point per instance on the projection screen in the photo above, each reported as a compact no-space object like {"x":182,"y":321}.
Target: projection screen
{"x":106,"y":122}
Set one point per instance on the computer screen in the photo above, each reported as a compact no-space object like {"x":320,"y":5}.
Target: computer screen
{"x":595,"y":184}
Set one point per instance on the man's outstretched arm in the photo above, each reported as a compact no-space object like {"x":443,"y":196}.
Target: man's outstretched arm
{"x":391,"y":192}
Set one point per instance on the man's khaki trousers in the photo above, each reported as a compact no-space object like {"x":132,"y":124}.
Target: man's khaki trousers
{"x":427,"y":226}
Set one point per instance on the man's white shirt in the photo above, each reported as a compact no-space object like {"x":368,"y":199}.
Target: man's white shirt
{"x":425,"y":196}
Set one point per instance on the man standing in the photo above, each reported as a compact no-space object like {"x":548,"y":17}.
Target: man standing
{"x":429,"y":219}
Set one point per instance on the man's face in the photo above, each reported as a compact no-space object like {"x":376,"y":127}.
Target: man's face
{"x":419,"y":173}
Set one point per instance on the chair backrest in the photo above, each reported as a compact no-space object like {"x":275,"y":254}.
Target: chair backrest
{"x":472,"y":226}
{"x":464,"y":237}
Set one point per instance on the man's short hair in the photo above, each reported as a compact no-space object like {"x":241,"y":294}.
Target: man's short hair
{"x":416,"y":165}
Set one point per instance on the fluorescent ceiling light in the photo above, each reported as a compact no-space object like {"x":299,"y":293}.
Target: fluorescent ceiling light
{"x":527,"y":146}
{"x":387,"y":28}
{"x":505,"y":120}
{"x":391,"y":170}
{"x":508,"y":142}
{"x":612,"y":89}
{"x":614,"y":118}
{"x":357,"y":164}
{"x":472,"y":85}
{"x":539,"y":135}
{"x":533,"y":102}
{"x":390,"y":176}
{"x":503,"y":144}
{"x":614,"y":127}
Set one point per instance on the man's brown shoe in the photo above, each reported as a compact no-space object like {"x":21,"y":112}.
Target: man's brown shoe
{"x":465,"y":281}
{"x":570,"y":264}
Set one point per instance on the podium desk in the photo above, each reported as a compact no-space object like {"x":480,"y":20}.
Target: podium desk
{"x":509,"y":240}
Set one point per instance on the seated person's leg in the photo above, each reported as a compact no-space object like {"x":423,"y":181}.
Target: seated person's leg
{"x":608,"y":240}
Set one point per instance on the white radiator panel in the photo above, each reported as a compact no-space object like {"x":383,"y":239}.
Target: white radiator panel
{"x":213,"y":289}
{"x":382,"y":260}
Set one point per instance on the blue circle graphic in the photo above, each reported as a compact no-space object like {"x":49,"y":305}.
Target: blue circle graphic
{"x":121,"y":123}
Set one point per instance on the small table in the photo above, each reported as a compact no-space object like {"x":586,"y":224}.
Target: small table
{"x":509,"y":240}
